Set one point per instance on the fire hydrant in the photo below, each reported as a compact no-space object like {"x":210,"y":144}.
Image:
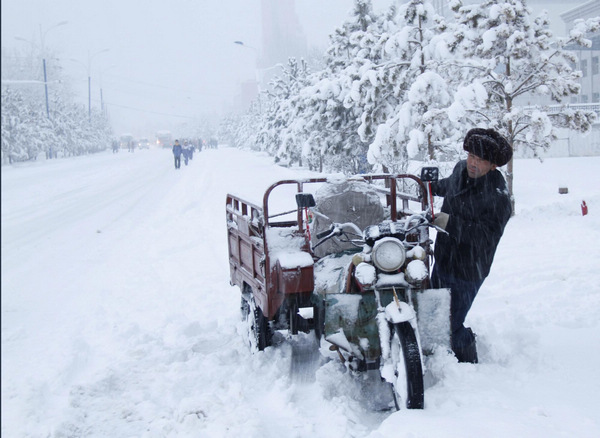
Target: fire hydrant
{"x":584,"y":208}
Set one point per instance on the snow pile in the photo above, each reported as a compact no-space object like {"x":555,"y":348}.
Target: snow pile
{"x":118,"y":318}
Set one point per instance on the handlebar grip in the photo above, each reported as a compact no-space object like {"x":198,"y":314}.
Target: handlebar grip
{"x":325,"y":233}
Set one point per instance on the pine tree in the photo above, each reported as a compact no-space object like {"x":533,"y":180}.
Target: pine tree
{"x":512,"y":56}
{"x":413,"y":88}
{"x":329,"y":122}
{"x":274,"y":137}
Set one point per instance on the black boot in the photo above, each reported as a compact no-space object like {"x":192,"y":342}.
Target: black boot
{"x":466,"y":350}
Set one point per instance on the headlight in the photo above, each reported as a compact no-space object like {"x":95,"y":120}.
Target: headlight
{"x":388,"y":254}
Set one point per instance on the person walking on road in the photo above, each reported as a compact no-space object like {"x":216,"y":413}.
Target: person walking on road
{"x":186,"y":152}
{"x":474,"y":213}
{"x":177,"y":154}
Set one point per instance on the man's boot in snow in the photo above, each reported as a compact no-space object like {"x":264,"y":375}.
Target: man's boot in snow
{"x":465,"y":346}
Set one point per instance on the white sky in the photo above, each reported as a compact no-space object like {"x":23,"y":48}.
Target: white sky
{"x":167,"y":61}
{"x":170,"y":57}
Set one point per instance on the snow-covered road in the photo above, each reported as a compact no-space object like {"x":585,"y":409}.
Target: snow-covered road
{"x":118,"y":318}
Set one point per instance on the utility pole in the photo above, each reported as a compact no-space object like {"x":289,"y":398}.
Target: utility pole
{"x":42,"y":35}
{"x":90,"y":57}
{"x":46,"y":89}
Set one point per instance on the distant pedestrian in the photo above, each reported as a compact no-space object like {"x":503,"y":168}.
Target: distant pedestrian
{"x":177,"y":150}
{"x":115,"y":146}
{"x":190,"y":149}
{"x":186,"y":152}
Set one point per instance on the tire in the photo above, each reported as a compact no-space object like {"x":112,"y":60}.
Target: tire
{"x":408,"y":386}
{"x":259,"y":331}
{"x":244,"y":308}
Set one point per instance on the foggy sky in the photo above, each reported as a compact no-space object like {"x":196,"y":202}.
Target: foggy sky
{"x":168,"y":61}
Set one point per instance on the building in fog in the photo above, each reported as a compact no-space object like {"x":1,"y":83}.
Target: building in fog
{"x":589,"y":57}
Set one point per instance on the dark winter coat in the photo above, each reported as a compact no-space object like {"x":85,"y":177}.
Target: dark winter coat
{"x":177,"y":150}
{"x":478,"y":209}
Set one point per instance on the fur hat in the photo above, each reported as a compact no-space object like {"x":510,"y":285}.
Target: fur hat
{"x":489,"y":145}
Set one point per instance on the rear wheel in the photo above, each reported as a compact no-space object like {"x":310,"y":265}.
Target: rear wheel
{"x":408,"y":371}
{"x":259,"y":330}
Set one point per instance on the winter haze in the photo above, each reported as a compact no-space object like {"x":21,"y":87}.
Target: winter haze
{"x":162,"y":64}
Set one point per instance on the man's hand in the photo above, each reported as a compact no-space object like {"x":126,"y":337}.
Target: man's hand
{"x":441,"y":220}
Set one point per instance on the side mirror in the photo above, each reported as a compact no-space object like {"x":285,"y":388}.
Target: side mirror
{"x":305,"y":200}
{"x":430,"y":174}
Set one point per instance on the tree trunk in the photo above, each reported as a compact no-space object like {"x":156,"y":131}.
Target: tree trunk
{"x":430,"y":148}
{"x":511,"y":139}
{"x":509,"y":182}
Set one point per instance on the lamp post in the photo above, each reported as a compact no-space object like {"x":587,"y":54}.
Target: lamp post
{"x":256,"y":74}
{"x":42,"y":36}
{"x":101,"y":73}
{"x":90,"y":57}
{"x":259,"y":72}
{"x":44,"y":70}
{"x":257,"y":52}
{"x":241,"y":43}
{"x":43,"y":56}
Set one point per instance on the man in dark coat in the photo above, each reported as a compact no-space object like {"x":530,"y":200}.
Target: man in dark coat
{"x":177,"y":154}
{"x":474,"y":213}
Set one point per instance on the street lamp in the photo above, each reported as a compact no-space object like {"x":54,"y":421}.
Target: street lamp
{"x":90,"y":80}
{"x":43,"y":54}
{"x":43,"y":34}
{"x":256,"y":73}
{"x":241,"y":43}
{"x":259,"y":72}
{"x":101,"y":73}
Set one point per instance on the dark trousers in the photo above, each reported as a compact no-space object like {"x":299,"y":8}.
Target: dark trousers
{"x":177,"y":162}
{"x":462,"y":295}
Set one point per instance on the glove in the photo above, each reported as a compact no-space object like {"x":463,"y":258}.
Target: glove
{"x":441,"y":220}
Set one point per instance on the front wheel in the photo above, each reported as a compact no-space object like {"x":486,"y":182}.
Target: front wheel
{"x":405,"y":355}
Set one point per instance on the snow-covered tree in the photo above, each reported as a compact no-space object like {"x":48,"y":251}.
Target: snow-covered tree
{"x":509,"y":54}
{"x":275,"y":137}
{"x":410,"y":88}
{"x":325,"y":121}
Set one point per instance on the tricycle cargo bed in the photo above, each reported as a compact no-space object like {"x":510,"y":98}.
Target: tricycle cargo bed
{"x":246,"y":245}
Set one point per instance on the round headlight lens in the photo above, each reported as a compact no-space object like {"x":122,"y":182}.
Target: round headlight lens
{"x":388,"y":254}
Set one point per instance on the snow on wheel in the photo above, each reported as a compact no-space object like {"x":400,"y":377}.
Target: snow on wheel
{"x":258,"y":328}
{"x":405,"y":354}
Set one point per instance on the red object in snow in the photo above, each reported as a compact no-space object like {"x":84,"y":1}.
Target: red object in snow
{"x":584,"y":209}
